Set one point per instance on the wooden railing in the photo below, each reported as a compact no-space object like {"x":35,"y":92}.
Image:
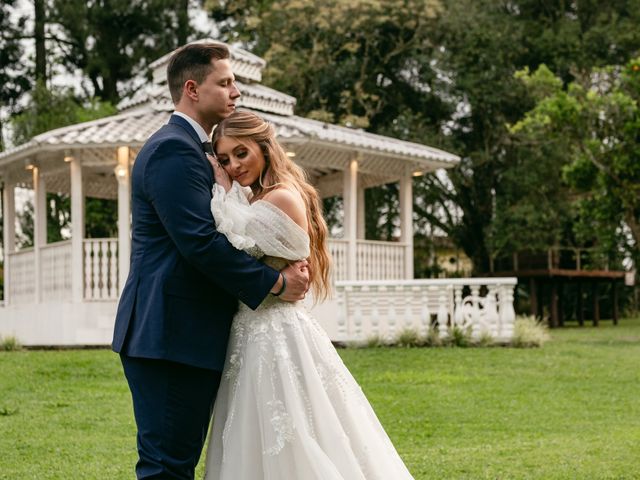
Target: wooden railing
{"x":386,"y":308}
{"x":101,"y":269}
{"x":564,"y":258}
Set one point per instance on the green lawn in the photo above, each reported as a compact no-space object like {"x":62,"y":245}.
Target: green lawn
{"x":569,"y":410}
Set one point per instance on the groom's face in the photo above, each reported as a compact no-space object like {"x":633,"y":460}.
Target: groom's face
{"x":218,"y":93}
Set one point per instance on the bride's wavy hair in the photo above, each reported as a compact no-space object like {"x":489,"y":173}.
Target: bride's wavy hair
{"x":280,"y":170}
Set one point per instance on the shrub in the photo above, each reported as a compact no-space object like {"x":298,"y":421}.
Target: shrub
{"x":9,"y":344}
{"x":432,"y":338}
{"x":529,"y":332}
{"x":408,"y":338}
{"x":459,"y":336}
{"x":485,"y":340}
{"x":373,"y":341}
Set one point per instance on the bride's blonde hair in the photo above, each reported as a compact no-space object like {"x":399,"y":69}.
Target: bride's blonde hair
{"x":281,"y":170}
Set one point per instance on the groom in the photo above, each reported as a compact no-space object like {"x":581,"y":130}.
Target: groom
{"x":185,"y":279}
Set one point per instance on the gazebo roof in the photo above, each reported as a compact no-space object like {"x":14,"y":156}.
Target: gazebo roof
{"x":323,"y":149}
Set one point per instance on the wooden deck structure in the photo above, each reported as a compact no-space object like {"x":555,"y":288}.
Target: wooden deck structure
{"x":551,"y":274}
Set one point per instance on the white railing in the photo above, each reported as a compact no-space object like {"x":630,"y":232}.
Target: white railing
{"x":374,"y":260}
{"x":386,"y":308}
{"x":55,"y":271}
{"x":380,"y":260}
{"x":339,"y":267}
{"x":101,"y":269}
{"x":21,"y":281}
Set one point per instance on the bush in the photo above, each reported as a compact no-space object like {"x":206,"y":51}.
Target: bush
{"x":408,"y":338}
{"x":9,"y":344}
{"x":459,"y":337}
{"x":432,"y":339}
{"x":485,"y":340}
{"x":373,"y":341}
{"x":529,"y":332}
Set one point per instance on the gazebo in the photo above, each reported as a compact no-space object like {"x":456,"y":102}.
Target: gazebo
{"x":65,"y":293}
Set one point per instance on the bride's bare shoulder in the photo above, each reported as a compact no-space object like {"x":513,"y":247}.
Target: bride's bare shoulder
{"x":290,"y":202}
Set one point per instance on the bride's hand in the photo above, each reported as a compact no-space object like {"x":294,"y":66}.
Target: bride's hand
{"x":220,"y":174}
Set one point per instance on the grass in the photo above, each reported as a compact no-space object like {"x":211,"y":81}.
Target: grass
{"x":567,"y":410}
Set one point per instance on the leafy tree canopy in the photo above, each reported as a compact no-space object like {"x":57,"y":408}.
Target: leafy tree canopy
{"x":594,"y":125}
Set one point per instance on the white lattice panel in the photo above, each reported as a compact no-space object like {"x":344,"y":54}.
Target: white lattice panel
{"x":56,"y":271}
{"x":22,"y":279}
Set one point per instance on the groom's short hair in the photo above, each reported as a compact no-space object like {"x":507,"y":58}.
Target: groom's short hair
{"x":192,"y":62}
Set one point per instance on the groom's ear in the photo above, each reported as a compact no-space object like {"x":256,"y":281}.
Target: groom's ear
{"x":190,"y":89}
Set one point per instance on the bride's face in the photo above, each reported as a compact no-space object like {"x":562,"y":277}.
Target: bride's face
{"x":243,"y":160}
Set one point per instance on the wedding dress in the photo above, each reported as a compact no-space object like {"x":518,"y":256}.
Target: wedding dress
{"x":287,"y":407}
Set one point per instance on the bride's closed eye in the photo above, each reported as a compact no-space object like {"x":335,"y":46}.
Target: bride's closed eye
{"x":241,"y":153}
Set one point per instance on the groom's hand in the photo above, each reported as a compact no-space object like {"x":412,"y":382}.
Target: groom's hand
{"x":297,"y":281}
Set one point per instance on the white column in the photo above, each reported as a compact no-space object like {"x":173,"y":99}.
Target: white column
{"x":124,"y":223}
{"x":77,"y":230}
{"x":9,"y":233}
{"x":361,"y":212}
{"x":351,"y":216}
{"x":406,"y":221}
{"x":39,"y":226}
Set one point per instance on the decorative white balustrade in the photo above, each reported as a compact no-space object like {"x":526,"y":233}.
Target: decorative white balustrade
{"x":21,"y":281}
{"x":101,"y":269}
{"x":386,"y":308}
{"x":55,"y":271}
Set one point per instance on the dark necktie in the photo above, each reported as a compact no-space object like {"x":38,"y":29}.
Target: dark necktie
{"x":207,"y":147}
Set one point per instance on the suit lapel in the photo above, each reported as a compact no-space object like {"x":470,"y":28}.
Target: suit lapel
{"x":182,"y":123}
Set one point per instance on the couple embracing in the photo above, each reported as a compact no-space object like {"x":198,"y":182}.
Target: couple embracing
{"x":227,"y":237}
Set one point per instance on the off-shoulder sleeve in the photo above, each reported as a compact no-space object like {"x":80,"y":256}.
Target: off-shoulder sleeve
{"x":261,"y":225}
{"x":231,"y":211}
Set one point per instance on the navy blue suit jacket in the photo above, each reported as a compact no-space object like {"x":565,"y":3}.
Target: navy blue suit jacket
{"x":185,"y":278}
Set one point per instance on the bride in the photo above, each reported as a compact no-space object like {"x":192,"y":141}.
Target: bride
{"x":287,"y":407}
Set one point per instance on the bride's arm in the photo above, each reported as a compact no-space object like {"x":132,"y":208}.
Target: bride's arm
{"x":292,"y":204}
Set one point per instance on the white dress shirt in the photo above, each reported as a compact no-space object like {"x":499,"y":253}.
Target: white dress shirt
{"x":196,"y":126}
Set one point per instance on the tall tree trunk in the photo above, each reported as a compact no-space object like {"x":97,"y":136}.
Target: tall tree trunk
{"x":1,"y":137}
{"x":41,"y":51}
{"x":183,"y":22}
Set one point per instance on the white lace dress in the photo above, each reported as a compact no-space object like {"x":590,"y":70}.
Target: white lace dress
{"x":287,"y":407}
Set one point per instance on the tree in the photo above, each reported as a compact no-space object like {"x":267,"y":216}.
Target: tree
{"x":437,"y":73}
{"x":40,"y":19}
{"x":596,"y":120}
{"x":14,"y":77}
{"x":363,"y":64}
{"x":46,"y":110}
{"x":482,"y":44}
{"x":110,"y":42}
